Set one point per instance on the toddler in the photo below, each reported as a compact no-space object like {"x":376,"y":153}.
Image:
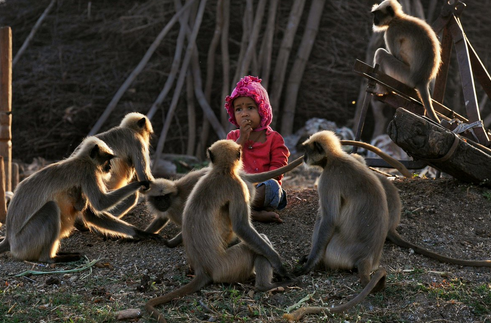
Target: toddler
{"x":263,"y":149}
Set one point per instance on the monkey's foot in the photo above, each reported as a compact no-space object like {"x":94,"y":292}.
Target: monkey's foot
{"x":378,"y":90}
{"x":66,"y":257}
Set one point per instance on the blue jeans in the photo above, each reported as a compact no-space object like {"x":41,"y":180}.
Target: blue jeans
{"x":274,"y":196}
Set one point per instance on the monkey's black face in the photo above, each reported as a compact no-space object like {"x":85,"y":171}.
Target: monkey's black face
{"x":106,"y":167}
{"x":376,"y":17}
{"x":383,"y":17}
{"x":314,"y":154}
{"x":161,"y":202}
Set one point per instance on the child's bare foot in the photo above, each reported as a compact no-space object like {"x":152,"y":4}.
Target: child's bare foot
{"x":265,"y":216}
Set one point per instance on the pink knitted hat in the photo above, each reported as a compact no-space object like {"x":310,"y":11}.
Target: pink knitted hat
{"x":251,"y":86}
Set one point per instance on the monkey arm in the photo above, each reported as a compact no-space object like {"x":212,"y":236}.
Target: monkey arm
{"x":141,"y":160}
{"x":174,"y":242}
{"x":112,"y":225}
{"x":105,"y":221}
{"x":101,"y":200}
{"x":243,"y":229}
{"x":157,"y":224}
{"x":323,"y":232}
{"x":125,"y":206}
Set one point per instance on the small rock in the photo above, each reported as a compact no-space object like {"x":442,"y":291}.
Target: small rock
{"x":131,"y":313}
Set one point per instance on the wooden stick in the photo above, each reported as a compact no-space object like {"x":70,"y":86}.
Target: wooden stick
{"x":6,"y":102}
{"x":191,"y":114}
{"x":225,"y":61}
{"x":254,"y":34}
{"x":175,"y":65}
{"x":137,"y":70}
{"x":180,"y":82}
{"x":266,"y":50}
{"x":246,"y":26}
{"x":15,"y":176}
{"x":282,"y":58}
{"x":210,"y":72}
{"x":3,"y":204}
{"x":296,"y":73}
{"x":33,"y":32}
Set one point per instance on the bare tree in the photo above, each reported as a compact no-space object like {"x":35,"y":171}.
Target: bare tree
{"x":266,"y":50}
{"x":225,"y":61}
{"x":296,"y":73}
{"x":180,"y":82}
{"x":175,"y":63}
{"x":254,"y":34}
{"x":246,"y":25}
{"x":282,"y":58}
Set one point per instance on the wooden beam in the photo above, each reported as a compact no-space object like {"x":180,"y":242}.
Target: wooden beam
{"x":439,"y":147}
{"x":6,"y":102}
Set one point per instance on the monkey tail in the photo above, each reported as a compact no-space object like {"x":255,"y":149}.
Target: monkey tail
{"x":396,"y":238}
{"x":4,"y":245}
{"x":377,"y":277}
{"x":195,"y":285}
{"x":390,"y":160}
{"x":424,"y":93}
{"x":261,"y":177}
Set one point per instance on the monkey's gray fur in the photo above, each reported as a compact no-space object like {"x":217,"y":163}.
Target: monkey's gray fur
{"x":166,"y":198}
{"x":217,"y":209}
{"x":45,"y":205}
{"x":413,"y":54}
{"x":395,"y":206}
{"x":353,"y":218}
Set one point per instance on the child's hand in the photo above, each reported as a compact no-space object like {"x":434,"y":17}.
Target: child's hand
{"x":245,"y":131}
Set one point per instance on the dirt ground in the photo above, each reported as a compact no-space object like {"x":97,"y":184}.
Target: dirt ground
{"x":443,"y":215}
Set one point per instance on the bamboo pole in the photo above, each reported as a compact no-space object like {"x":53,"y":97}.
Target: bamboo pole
{"x":137,"y":70}
{"x":6,"y":102}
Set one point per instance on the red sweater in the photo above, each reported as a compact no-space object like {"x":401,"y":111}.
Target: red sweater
{"x":259,"y":157}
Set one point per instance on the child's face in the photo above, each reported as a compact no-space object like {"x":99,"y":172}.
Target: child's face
{"x":246,"y":112}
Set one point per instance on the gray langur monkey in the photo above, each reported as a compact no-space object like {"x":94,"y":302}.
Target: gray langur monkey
{"x":130,"y":143}
{"x":217,"y":209}
{"x":395,"y":206}
{"x":413,"y":54}
{"x":352,"y":222}
{"x":166,"y":198}
{"x":46,"y":204}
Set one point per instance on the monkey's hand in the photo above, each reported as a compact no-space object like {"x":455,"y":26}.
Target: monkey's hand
{"x":303,"y":259}
{"x":282,"y":272}
{"x":142,"y":235}
{"x":302,"y":270}
{"x":145,"y":184}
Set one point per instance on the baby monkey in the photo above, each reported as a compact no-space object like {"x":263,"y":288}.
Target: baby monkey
{"x":166,"y":198}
